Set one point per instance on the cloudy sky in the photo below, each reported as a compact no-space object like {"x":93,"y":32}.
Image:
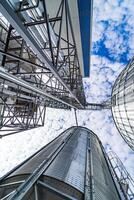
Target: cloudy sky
{"x":113,"y":39}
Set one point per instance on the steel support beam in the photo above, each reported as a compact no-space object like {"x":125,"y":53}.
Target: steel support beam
{"x":55,"y":19}
{"x":97,"y":106}
{"x":56,"y":191}
{"x":76,"y":119}
{"x":11,"y":184}
{"x":20,"y":82}
{"x":15,"y":21}
{"x":22,"y":60}
{"x":36,"y":192}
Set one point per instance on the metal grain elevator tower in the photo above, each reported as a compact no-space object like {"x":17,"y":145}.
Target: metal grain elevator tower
{"x":73,"y":166}
{"x":44,"y":53}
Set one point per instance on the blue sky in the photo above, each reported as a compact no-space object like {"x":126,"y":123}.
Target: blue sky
{"x":113,"y":47}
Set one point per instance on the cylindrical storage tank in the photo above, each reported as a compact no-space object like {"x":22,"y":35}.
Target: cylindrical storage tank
{"x":123,"y":103}
{"x":76,"y":168}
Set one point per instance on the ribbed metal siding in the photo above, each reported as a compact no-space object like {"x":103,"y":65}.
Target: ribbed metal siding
{"x":35,"y":161}
{"x":104,"y":187}
{"x":69,"y":166}
{"x":70,"y":171}
{"x":123,"y":103}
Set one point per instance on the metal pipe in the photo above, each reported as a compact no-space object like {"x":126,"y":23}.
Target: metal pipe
{"x":10,"y":184}
{"x":5,"y":197}
{"x":36,"y":192}
{"x":76,"y":120}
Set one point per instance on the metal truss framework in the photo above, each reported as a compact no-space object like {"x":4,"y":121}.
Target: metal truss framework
{"x":97,"y":106}
{"x":121,"y":175}
{"x":39,"y":63}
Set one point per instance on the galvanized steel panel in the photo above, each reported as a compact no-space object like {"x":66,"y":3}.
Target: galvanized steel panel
{"x":104,"y":186}
{"x":69,"y":166}
{"x":123,"y":103}
{"x":69,"y":170}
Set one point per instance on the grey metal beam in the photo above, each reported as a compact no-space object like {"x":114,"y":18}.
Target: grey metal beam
{"x":56,"y":191}
{"x":42,"y":21}
{"x":22,"y":59}
{"x":5,"y":197}
{"x":10,"y":184}
{"x":97,"y":106}
{"x":20,"y":82}
{"x":36,"y":192}
{"x":76,"y":119}
{"x":15,"y":21}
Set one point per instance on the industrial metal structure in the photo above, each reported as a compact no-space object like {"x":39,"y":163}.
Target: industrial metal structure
{"x":121,"y":175}
{"x":73,"y":166}
{"x":123,"y":103}
{"x":44,"y":55}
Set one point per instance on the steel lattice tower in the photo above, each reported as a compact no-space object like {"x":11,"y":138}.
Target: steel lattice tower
{"x":43,"y":57}
{"x":39,"y":61}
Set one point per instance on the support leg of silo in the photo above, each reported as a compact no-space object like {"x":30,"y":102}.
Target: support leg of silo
{"x":76,"y":120}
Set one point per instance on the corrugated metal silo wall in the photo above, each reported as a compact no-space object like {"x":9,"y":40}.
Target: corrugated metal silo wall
{"x":68,"y":171}
{"x":104,"y":186}
{"x":123,"y":103}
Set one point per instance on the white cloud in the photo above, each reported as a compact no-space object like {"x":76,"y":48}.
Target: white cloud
{"x":16,"y":148}
{"x":103,"y":74}
{"x":108,"y":18}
